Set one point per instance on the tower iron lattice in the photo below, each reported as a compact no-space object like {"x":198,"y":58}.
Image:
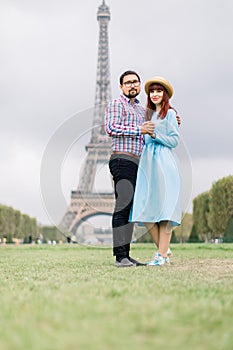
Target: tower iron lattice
{"x":86,"y":202}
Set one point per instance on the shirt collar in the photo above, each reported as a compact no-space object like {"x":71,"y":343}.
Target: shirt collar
{"x":126,"y":99}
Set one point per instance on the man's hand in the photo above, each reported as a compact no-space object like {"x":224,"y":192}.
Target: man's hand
{"x":178,"y":120}
{"x":148,"y":128}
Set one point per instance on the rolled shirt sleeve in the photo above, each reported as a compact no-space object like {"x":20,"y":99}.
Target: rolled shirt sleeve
{"x":117,"y":126}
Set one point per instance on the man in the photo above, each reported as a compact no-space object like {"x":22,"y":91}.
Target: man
{"x":124,"y":122}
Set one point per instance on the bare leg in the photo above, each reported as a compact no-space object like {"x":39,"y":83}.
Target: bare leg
{"x":165,"y":233}
{"x":153,"y":229}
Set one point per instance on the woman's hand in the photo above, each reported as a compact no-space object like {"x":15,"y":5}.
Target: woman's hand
{"x":148,"y":128}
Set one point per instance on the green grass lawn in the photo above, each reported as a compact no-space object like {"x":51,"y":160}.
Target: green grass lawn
{"x":72,"y":297}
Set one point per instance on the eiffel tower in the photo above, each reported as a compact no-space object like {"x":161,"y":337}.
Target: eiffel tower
{"x":85,"y":201}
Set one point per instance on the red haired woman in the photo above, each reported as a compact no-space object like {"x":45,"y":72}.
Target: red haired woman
{"x":157,"y":198}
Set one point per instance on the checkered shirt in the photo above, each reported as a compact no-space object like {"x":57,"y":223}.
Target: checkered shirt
{"x":123,"y":122}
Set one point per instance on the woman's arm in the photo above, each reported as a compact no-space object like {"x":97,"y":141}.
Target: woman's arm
{"x":166,"y":132}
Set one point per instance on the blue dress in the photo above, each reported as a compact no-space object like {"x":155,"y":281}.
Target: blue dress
{"x":158,"y":188}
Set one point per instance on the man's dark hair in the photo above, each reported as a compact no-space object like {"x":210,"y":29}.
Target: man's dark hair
{"x":128,"y":72}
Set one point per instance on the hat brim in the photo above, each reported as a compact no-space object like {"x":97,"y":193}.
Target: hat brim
{"x":161,"y":81}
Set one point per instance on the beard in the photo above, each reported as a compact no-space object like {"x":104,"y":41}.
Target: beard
{"x":132,"y":93}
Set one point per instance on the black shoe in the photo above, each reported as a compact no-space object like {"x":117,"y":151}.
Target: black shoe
{"x":124,"y":263}
{"x":136,"y":262}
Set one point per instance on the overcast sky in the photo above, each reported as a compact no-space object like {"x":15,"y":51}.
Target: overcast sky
{"x":48,"y":63}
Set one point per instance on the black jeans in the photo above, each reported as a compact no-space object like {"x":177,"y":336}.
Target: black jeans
{"x":124,"y":171}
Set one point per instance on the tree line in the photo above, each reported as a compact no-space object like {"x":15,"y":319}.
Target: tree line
{"x":212,"y":218}
{"x":16,"y":225}
{"x":213,"y":213}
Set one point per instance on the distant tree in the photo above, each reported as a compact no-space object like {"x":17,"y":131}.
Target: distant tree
{"x":7,"y":224}
{"x":3,"y":220}
{"x":183,"y":231}
{"x":17,"y":219}
{"x":201,"y":215}
{"x":174,"y":238}
{"x":221,"y":205}
{"x":194,"y":238}
{"x":11,"y":221}
{"x":228,"y":189}
{"x":14,"y":224}
{"x":51,"y":233}
{"x":228,"y":234}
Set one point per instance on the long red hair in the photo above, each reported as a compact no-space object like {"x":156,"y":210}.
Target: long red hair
{"x":165,"y":105}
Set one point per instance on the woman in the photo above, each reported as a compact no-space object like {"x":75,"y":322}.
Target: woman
{"x":157,"y":199}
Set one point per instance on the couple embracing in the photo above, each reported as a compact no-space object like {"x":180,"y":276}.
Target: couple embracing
{"x":144,"y":168}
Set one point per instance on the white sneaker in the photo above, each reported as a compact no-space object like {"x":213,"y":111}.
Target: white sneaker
{"x":169,"y":254}
{"x":158,"y":260}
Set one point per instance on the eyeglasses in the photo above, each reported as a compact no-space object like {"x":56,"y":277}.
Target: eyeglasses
{"x":130,"y":83}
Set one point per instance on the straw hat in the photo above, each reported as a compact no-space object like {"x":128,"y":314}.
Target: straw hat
{"x":161,"y":81}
